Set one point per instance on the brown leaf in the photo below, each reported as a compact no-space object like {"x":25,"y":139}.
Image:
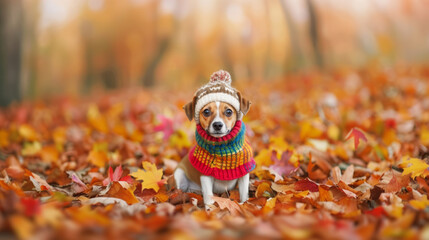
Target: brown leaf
{"x":232,"y":206}
{"x":116,"y":190}
{"x":264,"y":190}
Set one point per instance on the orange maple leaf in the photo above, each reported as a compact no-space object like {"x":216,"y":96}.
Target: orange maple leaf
{"x":151,"y":176}
{"x":357,"y":134}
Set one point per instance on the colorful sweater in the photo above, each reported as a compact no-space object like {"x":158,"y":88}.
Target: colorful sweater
{"x":226,"y":158}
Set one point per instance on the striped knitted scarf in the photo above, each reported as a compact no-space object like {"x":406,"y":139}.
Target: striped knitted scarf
{"x":226,"y":158}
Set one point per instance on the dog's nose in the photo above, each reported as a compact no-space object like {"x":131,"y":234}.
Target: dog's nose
{"x":217,"y":126}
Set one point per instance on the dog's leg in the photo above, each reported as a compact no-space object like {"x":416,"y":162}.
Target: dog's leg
{"x":182,"y":182}
{"x":243,"y":188}
{"x":207,"y":188}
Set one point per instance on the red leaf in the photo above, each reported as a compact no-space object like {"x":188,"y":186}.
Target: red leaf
{"x":357,"y":134}
{"x":306,"y":184}
{"x":31,"y":206}
{"x":127,"y":179}
{"x":165,"y":126}
{"x":117,"y":174}
{"x":378,"y":212}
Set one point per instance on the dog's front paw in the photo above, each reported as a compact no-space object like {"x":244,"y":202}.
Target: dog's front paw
{"x":244,"y":199}
{"x":210,"y":207}
{"x":208,"y":200}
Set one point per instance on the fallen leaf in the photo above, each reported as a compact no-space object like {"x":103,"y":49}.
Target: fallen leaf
{"x":357,"y":135}
{"x":347,"y":177}
{"x":98,"y":158}
{"x":306,"y":184}
{"x":23,"y":227}
{"x":96,"y":119}
{"x":232,"y":206}
{"x":117,"y":191}
{"x":151,"y":176}
{"x":414,"y":166}
{"x":78,"y":186}
{"x":263,"y":158}
{"x":116,"y":176}
{"x":282,"y":167}
{"x":39,"y":183}
{"x":31,"y":206}
{"x":421,"y":203}
{"x":264,"y":190}
{"x":28,"y":132}
{"x":165,"y":126}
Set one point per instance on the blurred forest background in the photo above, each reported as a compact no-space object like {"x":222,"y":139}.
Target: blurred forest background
{"x":78,"y":47}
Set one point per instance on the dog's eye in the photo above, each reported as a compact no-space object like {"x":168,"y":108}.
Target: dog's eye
{"x":206,"y":113}
{"x":228,"y":112}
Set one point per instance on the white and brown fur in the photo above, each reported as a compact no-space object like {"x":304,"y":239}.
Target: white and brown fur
{"x":189,"y":179}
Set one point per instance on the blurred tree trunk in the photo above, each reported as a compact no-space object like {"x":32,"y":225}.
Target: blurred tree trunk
{"x":268,"y":63}
{"x":296,"y":60}
{"x":87,"y":39}
{"x":314,"y":33}
{"x":164,"y":42}
{"x":10,"y":50}
{"x":149,"y":75}
{"x":29,"y":61}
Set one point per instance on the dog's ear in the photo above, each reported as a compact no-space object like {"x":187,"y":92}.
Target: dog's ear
{"x":244,"y":104}
{"x":190,"y":108}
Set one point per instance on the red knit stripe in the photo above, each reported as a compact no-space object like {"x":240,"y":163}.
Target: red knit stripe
{"x":235,"y":130}
{"x":227,"y":174}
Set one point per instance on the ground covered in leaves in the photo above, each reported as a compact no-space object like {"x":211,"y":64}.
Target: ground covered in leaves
{"x":339,"y":156}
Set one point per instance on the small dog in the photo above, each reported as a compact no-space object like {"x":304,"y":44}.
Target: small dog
{"x":222,"y":157}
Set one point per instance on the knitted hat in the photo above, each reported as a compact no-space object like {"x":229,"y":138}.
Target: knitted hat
{"x":217,"y":89}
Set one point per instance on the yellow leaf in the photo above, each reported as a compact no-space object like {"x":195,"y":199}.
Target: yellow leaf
{"x":22,"y":226}
{"x":414,"y":166}
{"x":150,"y":176}
{"x":333,"y":132}
{"x":96,"y":119}
{"x":136,"y":136}
{"x":270,"y":204}
{"x":28,"y":132}
{"x":389,"y":136}
{"x":180,"y":139}
{"x":264,"y":158}
{"x":309,"y":129}
{"x":424,"y":136}
{"x":420,"y":204}
{"x":98,"y":158}
{"x":4,"y":138}
{"x":87,"y":216}
{"x":30,"y":149}
{"x":302,"y":194}
{"x":59,"y":136}
{"x":278,"y":144}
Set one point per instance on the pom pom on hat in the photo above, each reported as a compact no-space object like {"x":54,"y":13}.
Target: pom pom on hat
{"x":217,"y":89}
{"x":220,"y":76}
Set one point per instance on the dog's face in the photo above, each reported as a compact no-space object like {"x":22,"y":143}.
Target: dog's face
{"x":218,"y":118}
